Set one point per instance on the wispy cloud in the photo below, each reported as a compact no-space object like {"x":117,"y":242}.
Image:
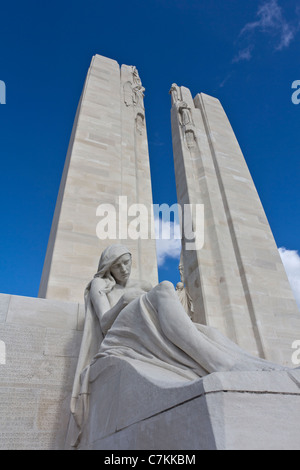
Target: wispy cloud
{"x":271,"y":22}
{"x":244,"y":54}
{"x":228,"y":76}
{"x":291,"y":262}
{"x":168,"y":242}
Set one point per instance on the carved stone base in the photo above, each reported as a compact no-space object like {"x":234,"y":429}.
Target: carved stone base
{"x":136,"y":406}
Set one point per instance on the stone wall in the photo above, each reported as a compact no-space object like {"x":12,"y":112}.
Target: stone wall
{"x":42,"y":340}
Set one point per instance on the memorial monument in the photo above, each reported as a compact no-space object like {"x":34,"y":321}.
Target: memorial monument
{"x":107,"y":358}
{"x":236,"y":280}
{"x":107,"y":158}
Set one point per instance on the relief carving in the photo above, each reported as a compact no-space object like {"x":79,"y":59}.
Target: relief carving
{"x":175,"y":93}
{"x":139,"y":122}
{"x":133,"y":90}
{"x":190,"y":138}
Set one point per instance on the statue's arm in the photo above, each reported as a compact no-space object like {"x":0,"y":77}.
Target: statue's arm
{"x":105,"y":313}
{"x":145,"y":286}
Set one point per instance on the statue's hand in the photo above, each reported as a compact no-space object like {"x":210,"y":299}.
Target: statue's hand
{"x":131,"y":294}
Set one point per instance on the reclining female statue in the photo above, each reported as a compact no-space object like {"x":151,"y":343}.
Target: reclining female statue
{"x":130,"y":319}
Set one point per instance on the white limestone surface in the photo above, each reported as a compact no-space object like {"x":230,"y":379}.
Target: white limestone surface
{"x":42,"y":339}
{"x":222,"y":411}
{"x":107,"y":159}
{"x":237,"y":281}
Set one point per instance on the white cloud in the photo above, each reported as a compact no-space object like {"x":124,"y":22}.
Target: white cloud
{"x":270,"y":21}
{"x":244,"y":54}
{"x":228,"y":76}
{"x":291,"y":262}
{"x":287,"y":35}
{"x":168,"y":240}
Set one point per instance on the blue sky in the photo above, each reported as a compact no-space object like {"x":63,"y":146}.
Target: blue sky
{"x":244,"y":53}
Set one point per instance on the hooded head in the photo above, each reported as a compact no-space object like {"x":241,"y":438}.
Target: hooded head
{"x":108,"y":257}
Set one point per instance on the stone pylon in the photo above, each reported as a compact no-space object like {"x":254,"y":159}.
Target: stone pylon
{"x":106,"y":179}
{"x":236,"y":280}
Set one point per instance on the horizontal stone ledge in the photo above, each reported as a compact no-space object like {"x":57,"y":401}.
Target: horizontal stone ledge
{"x":40,"y":312}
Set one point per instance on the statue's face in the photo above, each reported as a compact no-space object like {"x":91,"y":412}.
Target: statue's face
{"x":121,"y":269}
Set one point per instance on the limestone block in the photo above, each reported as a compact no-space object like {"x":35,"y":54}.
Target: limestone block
{"x":228,"y":410}
{"x":40,"y":312}
{"x":42,"y":339}
{"x":4,"y":303}
{"x":62,"y":342}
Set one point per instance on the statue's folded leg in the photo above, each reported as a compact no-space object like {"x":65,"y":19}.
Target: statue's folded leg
{"x":212,"y":355}
{"x":181,"y":331}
